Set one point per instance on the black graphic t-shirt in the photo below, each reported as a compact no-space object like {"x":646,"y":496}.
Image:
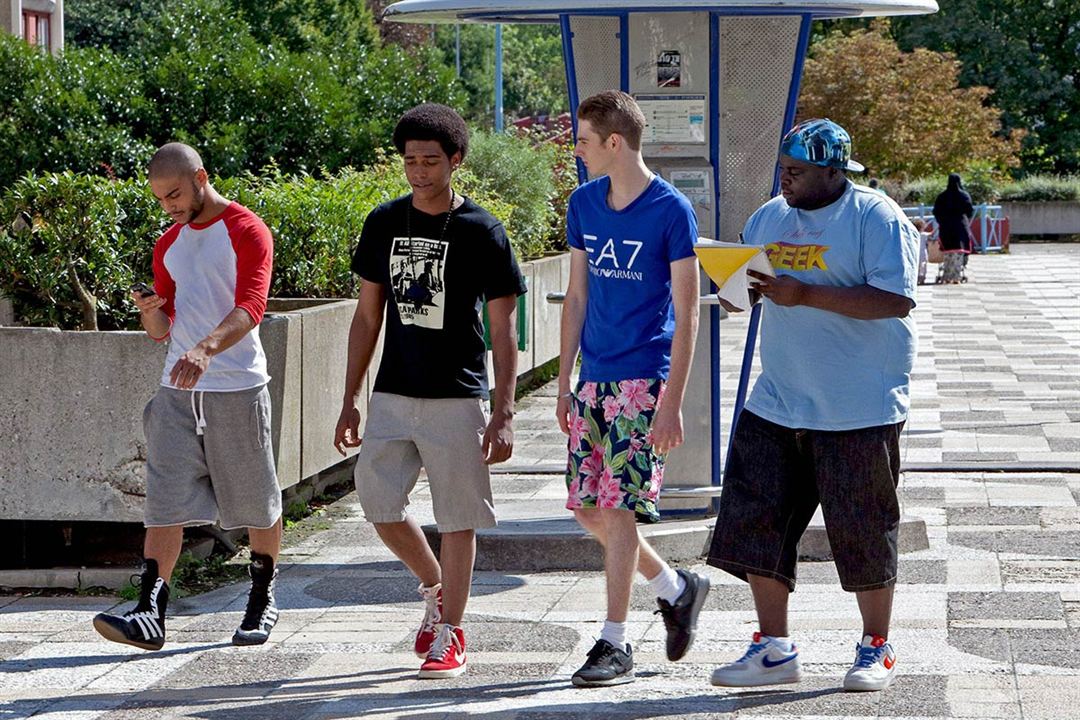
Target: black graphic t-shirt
{"x":435,"y":291}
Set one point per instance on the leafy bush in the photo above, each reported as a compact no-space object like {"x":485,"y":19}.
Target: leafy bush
{"x":979,"y":182}
{"x":77,"y":112}
{"x":514,"y":167}
{"x":70,"y":246}
{"x":316,"y":223}
{"x":249,"y":84}
{"x":1036,"y":188}
{"x":127,"y":27}
{"x":984,"y":187}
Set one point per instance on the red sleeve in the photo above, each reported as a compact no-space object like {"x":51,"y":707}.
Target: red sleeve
{"x":254,"y":248}
{"x":164,"y":286}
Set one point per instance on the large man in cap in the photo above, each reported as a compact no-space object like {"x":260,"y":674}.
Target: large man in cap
{"x":823,"y":422}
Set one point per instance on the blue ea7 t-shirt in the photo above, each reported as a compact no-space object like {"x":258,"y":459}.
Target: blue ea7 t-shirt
{"x":629,"y":316}
{"x":821,"y":370}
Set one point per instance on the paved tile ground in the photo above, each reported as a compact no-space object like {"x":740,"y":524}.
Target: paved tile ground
{"x":987,"y":620}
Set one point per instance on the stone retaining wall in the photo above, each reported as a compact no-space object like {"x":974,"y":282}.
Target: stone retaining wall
{"x":71,"y":440}
{"x":1043,"y":218}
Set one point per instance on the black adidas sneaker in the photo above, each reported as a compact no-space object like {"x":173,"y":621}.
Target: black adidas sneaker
{"x":143,"y":626}
{"x":261,"y":614}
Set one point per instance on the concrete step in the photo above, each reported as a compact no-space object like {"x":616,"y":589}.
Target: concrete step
{"x":82,"y":578}
{"x":559,"y":543}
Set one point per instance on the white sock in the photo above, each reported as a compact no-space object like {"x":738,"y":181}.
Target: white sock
{"x":668,"y":585}
{"x":614,"y":633}
{"x":784,"y":643}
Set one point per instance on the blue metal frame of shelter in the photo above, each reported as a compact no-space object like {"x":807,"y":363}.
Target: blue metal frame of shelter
{"x":755,"y":313}
{"x":715,"y":13}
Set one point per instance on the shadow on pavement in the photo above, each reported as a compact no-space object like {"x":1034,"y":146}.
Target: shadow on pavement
{"x":338,"y":696}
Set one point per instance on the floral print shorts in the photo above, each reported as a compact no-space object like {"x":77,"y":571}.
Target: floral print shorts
{"x":611,"y":460}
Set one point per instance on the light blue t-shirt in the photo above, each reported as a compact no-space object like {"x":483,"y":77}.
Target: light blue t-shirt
{"x":822,"y":370}
{"x":629,"y":317}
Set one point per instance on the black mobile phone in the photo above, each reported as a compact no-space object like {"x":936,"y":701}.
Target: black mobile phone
{"x":142,"y":289}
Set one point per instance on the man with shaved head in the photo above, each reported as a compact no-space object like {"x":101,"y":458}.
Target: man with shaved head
{"x":209,"y":455}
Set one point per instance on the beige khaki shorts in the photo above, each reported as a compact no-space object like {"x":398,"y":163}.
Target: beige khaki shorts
{"x":442,"y":435}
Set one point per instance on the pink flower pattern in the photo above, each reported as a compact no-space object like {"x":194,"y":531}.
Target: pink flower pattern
{"x":634,"y":397}
{"x":587,"y":394}
{"x":591,"y":468}
{"x":611,"y":494}
{"x":573,"y":499}
{"x":613,"y":421}
{"x":579,"y":428}
{"x":612,"y":408}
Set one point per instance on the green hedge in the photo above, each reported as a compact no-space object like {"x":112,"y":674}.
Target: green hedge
{"x":71,"y":244}
{"x":984,"y":188}
{"x":979,"y":182}
{"x":1042,"y":188}
{"x":316,"y":223}
{"x":532,"y":173}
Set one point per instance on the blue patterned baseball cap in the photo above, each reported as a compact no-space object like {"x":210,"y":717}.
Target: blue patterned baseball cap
{"x":820,"y":142}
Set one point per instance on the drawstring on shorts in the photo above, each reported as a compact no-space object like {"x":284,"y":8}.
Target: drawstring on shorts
{"x":200,"y":414}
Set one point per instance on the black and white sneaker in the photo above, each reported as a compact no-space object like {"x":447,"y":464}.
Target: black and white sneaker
{"x":606,"y":665}
{"x":261,"y":614}
{"x":680,"y":617}
{"x":143,"y":626}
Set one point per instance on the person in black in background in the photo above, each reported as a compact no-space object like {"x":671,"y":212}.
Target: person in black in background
{"x":953,"y":211}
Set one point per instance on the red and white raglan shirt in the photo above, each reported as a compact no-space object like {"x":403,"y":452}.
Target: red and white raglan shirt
{"x":204,"y":271}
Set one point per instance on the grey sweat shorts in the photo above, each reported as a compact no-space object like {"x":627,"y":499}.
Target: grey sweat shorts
{"x":209,"y":459}
{"x":445,"y":436}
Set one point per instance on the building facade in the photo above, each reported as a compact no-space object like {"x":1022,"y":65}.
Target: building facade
{"x":39,"y":22}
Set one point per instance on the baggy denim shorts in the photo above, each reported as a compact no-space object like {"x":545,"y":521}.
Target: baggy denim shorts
{"x":775,"y":479}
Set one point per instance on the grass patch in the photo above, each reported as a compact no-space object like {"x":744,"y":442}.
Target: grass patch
{"x":193,"y":576}
{"x":536,"y":378}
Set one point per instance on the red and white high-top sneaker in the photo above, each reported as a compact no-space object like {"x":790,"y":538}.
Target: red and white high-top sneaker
{"x":446,"y":659}
{"x":432,"y":617}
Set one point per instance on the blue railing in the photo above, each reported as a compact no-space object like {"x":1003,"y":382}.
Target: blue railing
{"x":989,"y":226}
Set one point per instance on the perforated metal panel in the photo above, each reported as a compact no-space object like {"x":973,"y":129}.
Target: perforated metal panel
{"x":596,"y":54}
{"x":756,"y":58}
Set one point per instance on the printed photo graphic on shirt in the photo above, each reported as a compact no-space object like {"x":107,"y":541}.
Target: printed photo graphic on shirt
{"x":613,"y":259}
{"x":417,"y":269}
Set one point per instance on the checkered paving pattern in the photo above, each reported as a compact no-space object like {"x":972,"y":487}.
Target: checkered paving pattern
{"x":986,"y":620}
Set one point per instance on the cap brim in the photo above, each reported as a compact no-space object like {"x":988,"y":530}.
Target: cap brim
{"x":853,"y":166}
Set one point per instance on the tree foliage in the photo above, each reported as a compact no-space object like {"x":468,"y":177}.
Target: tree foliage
{"x":904,"y":110}
{"x":249,"y":83}
{"x":1025,"y":50}
{"x":534,"y":76}
{"x":127,"y":26}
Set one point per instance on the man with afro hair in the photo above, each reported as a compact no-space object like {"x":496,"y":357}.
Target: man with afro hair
{"x":429,"y":262}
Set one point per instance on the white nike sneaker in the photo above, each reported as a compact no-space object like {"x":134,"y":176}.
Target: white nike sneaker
{"x":875,"y":665}
{"x":764,"y":663}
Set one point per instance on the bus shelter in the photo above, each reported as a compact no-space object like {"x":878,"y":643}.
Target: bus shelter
{"x":718,"y":83}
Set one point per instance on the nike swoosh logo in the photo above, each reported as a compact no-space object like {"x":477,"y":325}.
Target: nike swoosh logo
{"x":769,"y":664}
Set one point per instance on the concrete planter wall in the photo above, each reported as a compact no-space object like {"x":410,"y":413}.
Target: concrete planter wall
{"x":1043,"y":218}
{"x":71,"y":440}
{"x":7,"y":313}
{"x":550,"y":274}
